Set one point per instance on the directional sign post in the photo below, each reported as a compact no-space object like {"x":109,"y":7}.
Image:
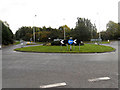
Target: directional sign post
{"x":70,"y":41}
{"x":75,"y":42}
{"x":62,"y":42}
{"x":67,"y":47}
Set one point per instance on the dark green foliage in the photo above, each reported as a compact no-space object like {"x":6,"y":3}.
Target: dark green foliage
{"x":55,"y":43}
{"x":7,"y":35}
{"x":24,"y":33}
{"x":41,"y":34}
{"x":84,"y":30}
{"x":112,"y":32}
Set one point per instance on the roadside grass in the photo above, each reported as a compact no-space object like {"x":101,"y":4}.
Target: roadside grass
{"x":87,"y":48}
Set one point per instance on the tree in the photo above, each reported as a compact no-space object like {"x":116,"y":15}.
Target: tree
{"x":113,"y":31}
{"x":24,"y":33}
{"x":67,"y":31}
{"x":7,"y":35}
{"x":84,"y":30}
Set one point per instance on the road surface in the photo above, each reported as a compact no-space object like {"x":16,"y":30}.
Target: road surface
{"x":32,"y":70}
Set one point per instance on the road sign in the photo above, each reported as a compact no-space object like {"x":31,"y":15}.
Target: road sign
{"x":75,"y":41}
{"x":70,"y":41}
{"x":62,"y":41}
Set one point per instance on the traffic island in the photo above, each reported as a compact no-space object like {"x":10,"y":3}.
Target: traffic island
{"x":87,"y":48}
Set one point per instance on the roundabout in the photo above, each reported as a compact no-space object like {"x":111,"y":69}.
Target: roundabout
{"x":87,"y":48}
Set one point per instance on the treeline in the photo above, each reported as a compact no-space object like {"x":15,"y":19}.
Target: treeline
{"x":7,"y":35}
{"x":84,"y":30}
{"x":112,"y":31}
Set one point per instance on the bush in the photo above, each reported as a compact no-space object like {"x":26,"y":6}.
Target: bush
{"x":81,"y":43}
{"x":55,"y":43}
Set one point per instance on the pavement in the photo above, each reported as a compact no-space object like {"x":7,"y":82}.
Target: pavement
{"x":34,"y":70}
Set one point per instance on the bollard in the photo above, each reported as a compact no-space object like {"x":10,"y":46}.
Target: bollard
{"x":21,"y":45}
{"x":74,"y":47}
{"x":70,"y":48}
{"x":67,"y":47}
{"x":61,"y":47}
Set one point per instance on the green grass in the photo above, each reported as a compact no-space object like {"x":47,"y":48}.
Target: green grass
{"x":87,"y":48}
{"x":17,"y":42}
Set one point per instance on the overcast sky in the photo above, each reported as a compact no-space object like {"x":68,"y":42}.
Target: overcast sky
{"x":56,"y":13}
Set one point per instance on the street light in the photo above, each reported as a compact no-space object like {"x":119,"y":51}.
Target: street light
{"x":34,"y":30}
{"x":99,"y":26}
{"x":99,"y":29}
{"x":64,"y":32}
{"x":64,"y":28}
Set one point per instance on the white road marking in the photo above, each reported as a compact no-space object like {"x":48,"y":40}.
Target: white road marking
{"x":98,"y":79}
{"x":14,"y":51}
{"x":53,"y":85}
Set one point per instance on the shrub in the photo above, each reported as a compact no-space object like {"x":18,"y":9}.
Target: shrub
{"x":55,"y":43}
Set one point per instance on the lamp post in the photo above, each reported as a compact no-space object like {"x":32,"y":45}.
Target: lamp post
{"x":99,"y":29}
{"x":99,"y":26}
{"x":34,"y":30}
{"x":64,"y":28}
{"x":64,"y":33}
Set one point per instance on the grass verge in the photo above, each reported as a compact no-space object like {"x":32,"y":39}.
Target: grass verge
{"x":87,"y":48}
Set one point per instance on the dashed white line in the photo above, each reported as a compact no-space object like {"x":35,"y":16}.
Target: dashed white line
{"x":53,"y":85}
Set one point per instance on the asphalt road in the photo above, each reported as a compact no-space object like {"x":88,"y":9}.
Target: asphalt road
{"x":31,"y":70}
